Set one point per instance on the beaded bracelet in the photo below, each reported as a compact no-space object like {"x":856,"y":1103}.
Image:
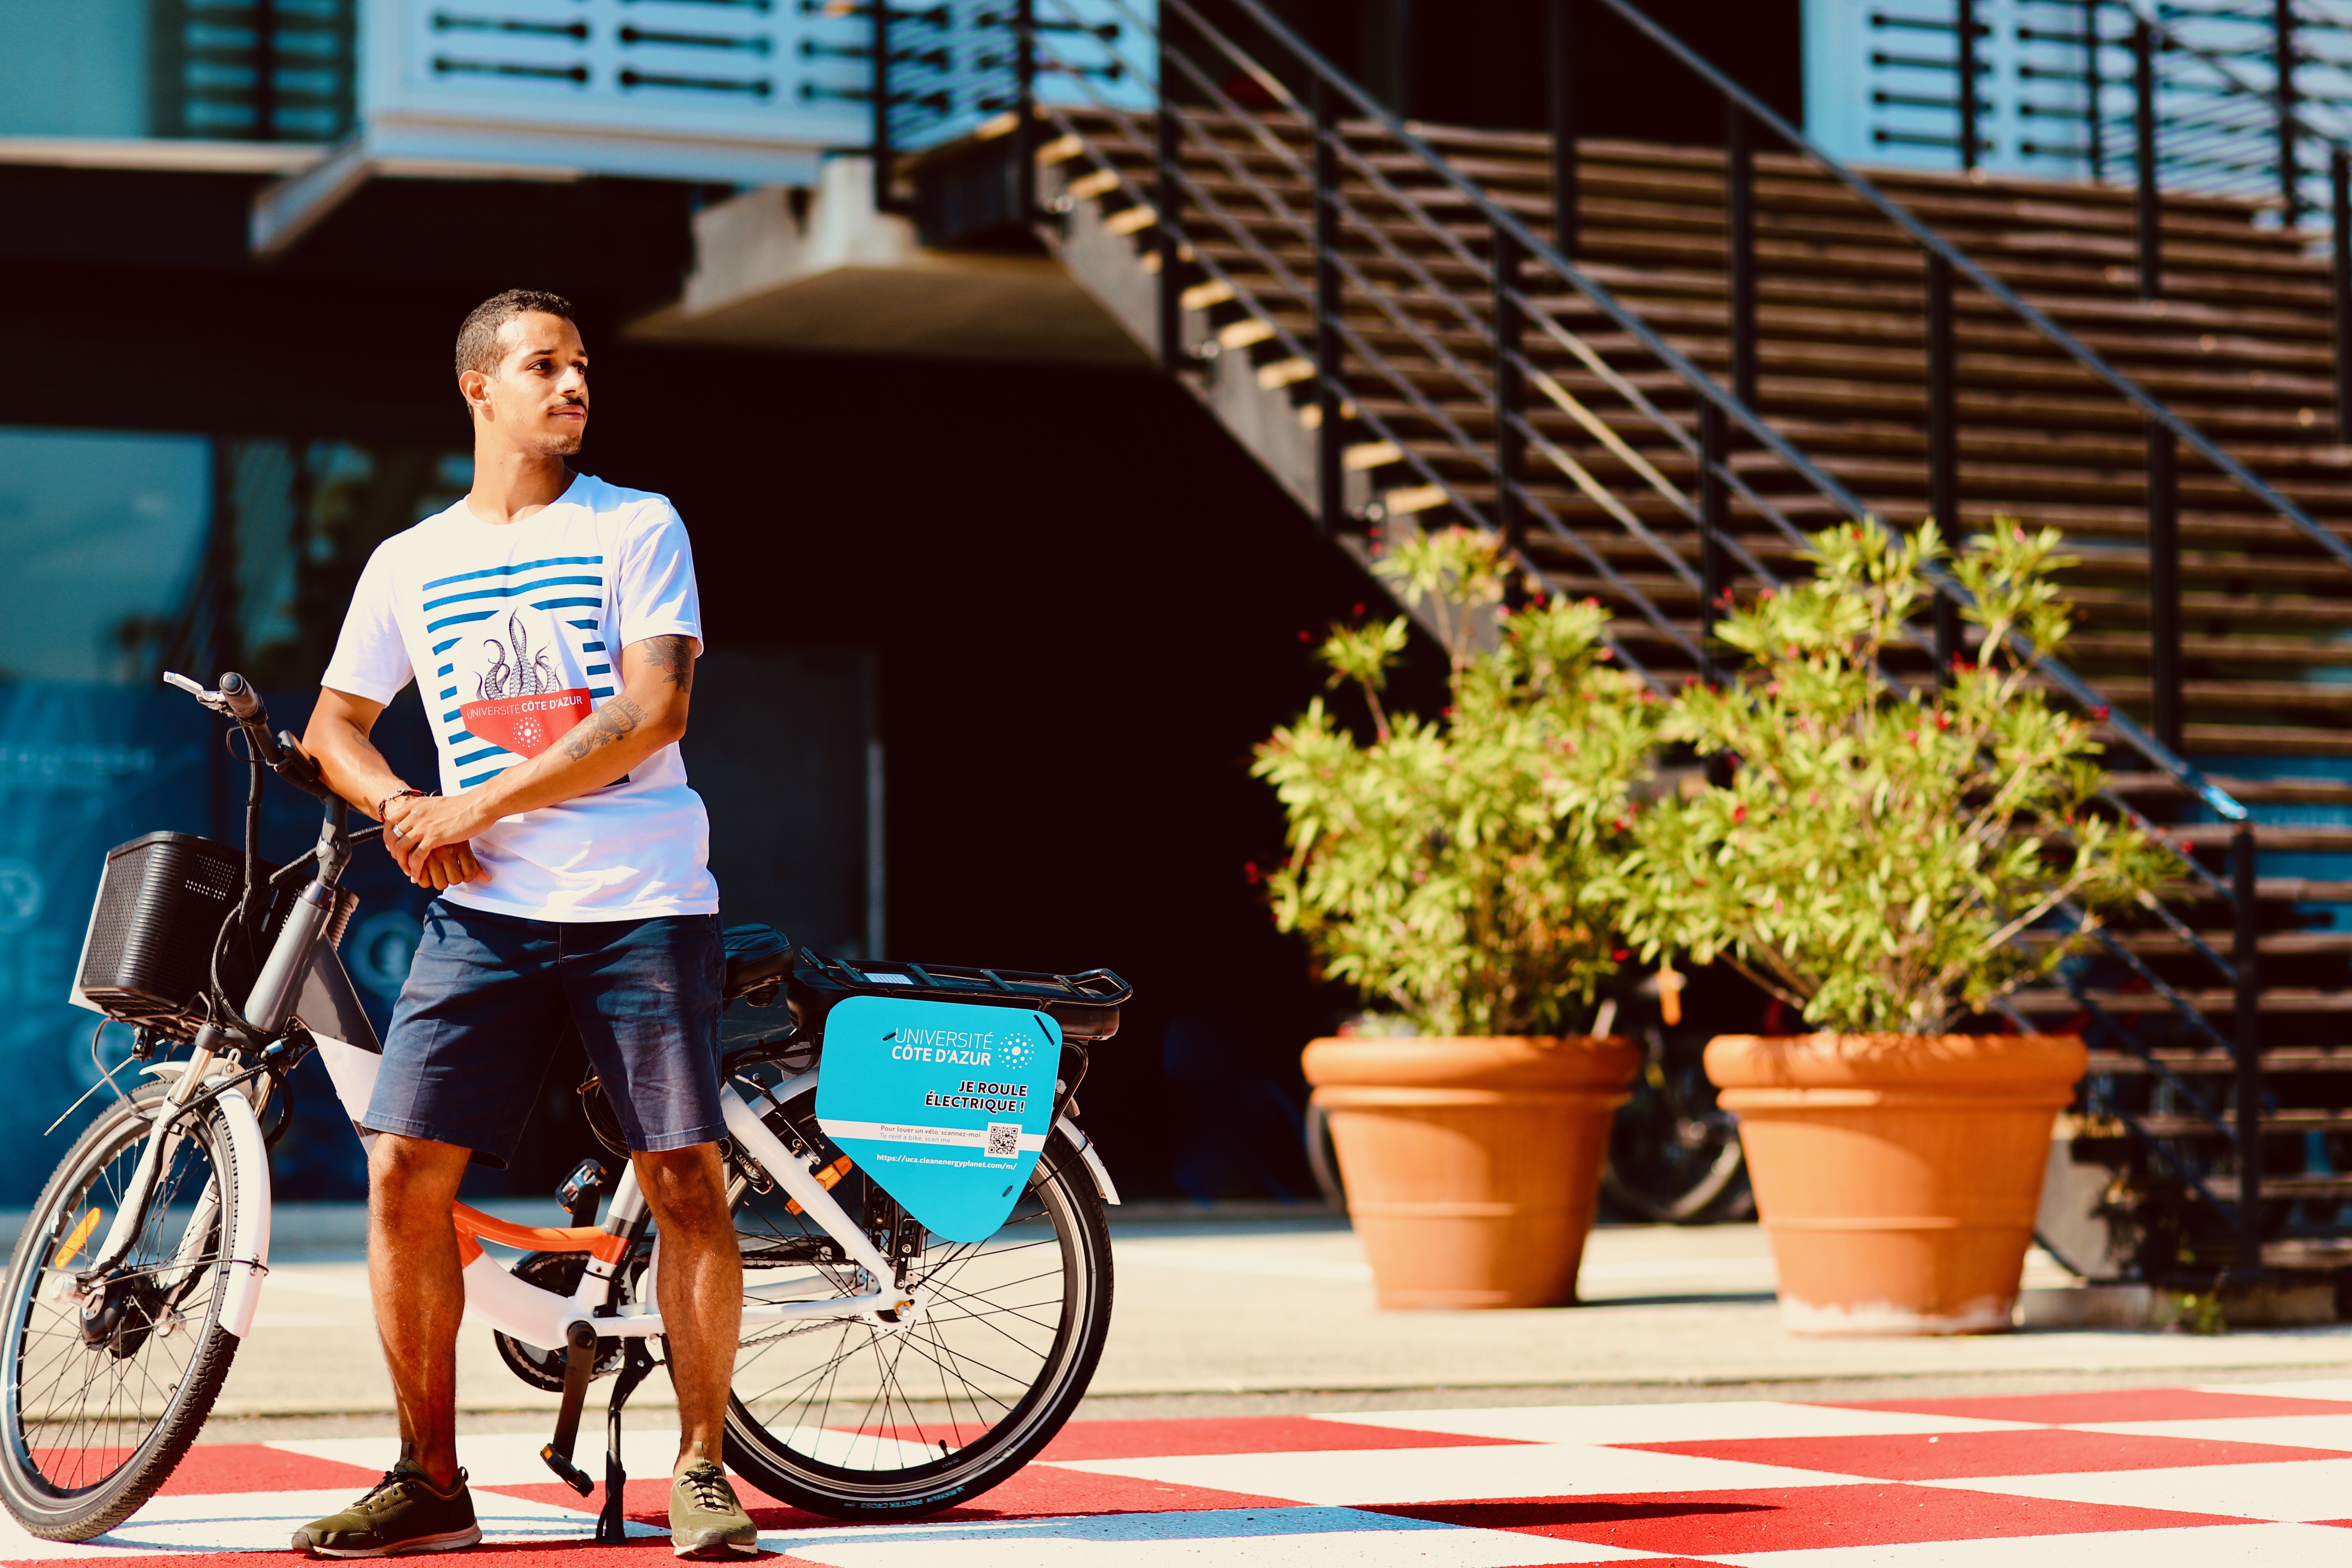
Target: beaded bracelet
{"x":386,"y":804}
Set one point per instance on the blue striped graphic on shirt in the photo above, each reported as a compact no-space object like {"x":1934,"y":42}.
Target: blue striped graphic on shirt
{"x":490,"y":592}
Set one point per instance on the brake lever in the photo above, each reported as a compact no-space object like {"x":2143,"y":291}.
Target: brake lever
{"x":210,"y":699}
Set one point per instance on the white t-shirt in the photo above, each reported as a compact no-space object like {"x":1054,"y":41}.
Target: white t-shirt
{"x":512,"y":632}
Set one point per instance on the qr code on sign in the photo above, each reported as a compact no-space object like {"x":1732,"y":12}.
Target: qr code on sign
{"x":1004,"y":1139}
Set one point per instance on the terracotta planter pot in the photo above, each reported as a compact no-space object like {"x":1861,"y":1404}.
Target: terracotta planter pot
{"x":1897,"y":1174}
{"x":1471,"y":1165}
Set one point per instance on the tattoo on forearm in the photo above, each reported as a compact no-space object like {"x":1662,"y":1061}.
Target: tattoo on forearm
{"x":607,"y":724}
{"x":674,"y":656}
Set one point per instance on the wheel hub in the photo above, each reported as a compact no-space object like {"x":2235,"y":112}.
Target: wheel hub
{"x":124,"y":1313}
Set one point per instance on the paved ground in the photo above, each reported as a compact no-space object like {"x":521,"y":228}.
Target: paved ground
{"x":2156,"y":1478}
{"x":1279,"y":1307}
{"x":1254,"y":1407}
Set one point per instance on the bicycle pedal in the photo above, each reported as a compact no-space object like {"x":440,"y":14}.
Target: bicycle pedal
{"x":571,"y":1475}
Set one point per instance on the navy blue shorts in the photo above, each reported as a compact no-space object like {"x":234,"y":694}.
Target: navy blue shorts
{"x":488,"y":999}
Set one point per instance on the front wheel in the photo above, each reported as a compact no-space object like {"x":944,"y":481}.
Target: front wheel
{"x":857,"y":1419}
{"x":103,"y":1394}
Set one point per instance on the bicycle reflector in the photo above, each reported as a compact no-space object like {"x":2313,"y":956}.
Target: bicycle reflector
{"x":162,"y":902}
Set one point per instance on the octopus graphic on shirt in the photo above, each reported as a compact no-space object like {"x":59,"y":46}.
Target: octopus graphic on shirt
{"x":520,"y":702}
{"x":524,"y":657}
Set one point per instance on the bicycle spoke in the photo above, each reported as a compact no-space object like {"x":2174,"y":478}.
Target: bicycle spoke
{"x":83,"y":1410}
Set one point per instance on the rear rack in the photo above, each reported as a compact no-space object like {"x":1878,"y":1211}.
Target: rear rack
{"x":1085,"y":1004}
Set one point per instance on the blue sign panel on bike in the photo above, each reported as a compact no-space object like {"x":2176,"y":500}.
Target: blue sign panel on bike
{"x":946,"y":1104}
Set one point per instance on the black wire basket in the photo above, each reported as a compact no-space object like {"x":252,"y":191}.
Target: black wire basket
{"x":162,"y":902}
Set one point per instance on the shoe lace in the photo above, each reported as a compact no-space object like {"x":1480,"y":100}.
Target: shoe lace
{"x":394,"y":1487}
{"x":707,"y":1487}
{"x":384,"y":1493}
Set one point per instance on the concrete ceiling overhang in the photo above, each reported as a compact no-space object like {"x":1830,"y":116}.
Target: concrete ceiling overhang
{"x":823,"y":271}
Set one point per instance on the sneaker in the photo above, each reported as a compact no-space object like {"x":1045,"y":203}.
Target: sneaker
{"x":705,"y":1517}
{"x":403,"y":1514}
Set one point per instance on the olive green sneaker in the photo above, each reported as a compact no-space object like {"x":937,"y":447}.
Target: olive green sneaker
{"x":403,"y":1514}
{"x":705,"y":1517}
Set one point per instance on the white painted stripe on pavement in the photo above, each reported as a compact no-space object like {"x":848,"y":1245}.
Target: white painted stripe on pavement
{"x":1696,"y":1422}
{"x":1366,"y":1477}
{"x":1228,"y":1538}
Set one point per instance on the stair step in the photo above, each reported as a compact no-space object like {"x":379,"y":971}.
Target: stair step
{"x":2267,"y":836}
{"x":2276,"y":944}
{"x":2283,"y":1188}
{"x":2216,"y":1004}
{"x":2297,"y":791}
{"x":2276,"y":1123}
{"x":2187,"y":1064}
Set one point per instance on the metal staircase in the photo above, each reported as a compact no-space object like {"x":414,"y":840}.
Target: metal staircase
{"x":1650,"y":370}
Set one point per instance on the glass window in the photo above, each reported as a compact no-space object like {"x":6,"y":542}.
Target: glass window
{"x":106,"y":535}
{"x":222,"y":69}
{"x":77,"y":70}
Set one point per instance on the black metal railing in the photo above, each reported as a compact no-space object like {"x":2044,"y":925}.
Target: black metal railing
{"x":1942,"y":264}
{"x":949,"y":67}
{"x":2248,"y":100}
{"x":1196,"y":169}
{"x":2240,"y":86}
{"x":2168,"y":432}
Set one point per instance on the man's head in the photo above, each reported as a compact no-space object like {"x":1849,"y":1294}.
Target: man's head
{"x":524,"y":372}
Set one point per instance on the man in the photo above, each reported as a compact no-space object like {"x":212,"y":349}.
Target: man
{"x":570,"y":864}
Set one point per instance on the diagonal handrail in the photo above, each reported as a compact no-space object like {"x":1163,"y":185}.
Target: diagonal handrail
{"x":1183,"y":189}
{"x":1935,"y":244}
{"x":1277,"y":209}
{"x":1541,"y":250}
{"x":1428,"y":410}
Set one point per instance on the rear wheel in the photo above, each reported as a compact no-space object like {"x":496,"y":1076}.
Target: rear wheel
{"x":102,"y":1395}
{"x":1675,"y":1156}
{"x":858,"y":1419}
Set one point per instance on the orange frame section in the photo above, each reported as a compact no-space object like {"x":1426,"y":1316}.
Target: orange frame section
{"x":474,"y":1225}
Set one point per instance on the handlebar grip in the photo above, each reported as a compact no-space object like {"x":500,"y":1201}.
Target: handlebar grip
{"x":244,"y":702}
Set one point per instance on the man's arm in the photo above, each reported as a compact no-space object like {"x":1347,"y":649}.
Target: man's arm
{"x":647,"y":714}
{"x":337,"y":738}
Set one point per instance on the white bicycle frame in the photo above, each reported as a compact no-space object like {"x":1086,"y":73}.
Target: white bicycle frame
{"x":303,"y":985}
{"x":542,"y":1318}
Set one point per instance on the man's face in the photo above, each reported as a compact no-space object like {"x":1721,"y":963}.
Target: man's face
{"x":538,"y":396}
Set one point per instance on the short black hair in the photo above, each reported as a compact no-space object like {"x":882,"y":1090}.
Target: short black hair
{"x":478,"y":340}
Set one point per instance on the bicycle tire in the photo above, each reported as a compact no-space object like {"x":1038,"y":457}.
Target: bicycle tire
{"x":998,"y":1427}
{"x":56,"y":1501}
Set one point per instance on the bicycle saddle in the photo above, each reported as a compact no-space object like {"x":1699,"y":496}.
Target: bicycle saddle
{"x":757,"y":960}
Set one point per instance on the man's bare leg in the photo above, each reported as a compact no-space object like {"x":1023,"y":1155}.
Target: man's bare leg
{"x":702,"y":1291}
{"x":420,"y":1296}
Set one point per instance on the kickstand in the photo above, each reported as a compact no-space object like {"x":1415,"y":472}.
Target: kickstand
{"x":612,"y":1524}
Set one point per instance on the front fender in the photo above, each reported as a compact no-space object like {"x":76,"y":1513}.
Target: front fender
{"x":248,"y":1251}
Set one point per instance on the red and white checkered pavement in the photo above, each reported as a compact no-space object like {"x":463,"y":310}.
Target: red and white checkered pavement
{"x":2147,"y":1478}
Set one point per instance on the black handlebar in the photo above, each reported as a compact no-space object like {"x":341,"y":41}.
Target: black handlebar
{"x":281,"y":753}
{"x":244,"y":702}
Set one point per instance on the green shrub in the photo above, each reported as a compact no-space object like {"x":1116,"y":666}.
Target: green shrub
{"x":1877,"y":852}
{"x":1439,"y":867}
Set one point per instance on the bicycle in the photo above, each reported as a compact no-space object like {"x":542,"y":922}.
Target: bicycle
{"x":886,"y":1368}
